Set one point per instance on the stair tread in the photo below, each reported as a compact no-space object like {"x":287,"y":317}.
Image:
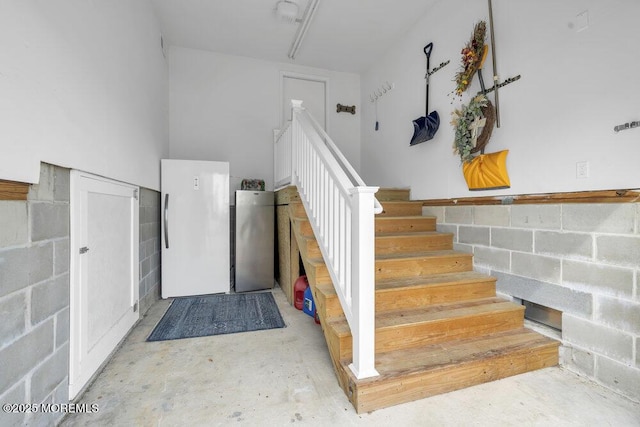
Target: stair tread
{"x":433,"y":313}
{"x":437,"y":312}
{"x":438,"y":356}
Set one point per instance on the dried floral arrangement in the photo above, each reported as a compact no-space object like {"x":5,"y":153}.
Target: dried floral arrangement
{"x":473,"y":124}
{"x":471,"y":57}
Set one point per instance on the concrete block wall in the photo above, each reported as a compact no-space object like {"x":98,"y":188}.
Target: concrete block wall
{"x":34,"y":291}
{"x":34,"y":298}
{"x":581,"y":259}
{"x":149,"y":246}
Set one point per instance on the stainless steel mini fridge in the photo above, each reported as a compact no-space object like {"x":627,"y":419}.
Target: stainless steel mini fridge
{"x":254,"y":234}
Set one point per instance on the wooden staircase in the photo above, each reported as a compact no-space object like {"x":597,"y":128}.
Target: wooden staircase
{"x":439,"y":325}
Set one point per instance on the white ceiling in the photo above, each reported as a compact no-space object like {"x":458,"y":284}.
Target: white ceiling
{"x":345,"y":35}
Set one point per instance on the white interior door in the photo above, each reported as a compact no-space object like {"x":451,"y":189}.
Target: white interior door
{"x":312,"y":91}
{"x":104,"y":271}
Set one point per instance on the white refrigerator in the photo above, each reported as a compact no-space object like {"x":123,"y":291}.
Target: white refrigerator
{"x":195,"y":228}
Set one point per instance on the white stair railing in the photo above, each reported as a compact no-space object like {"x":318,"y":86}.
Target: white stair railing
{"x":341,"y":210}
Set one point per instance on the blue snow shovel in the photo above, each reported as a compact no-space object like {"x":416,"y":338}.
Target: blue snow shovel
{"x":425,"y":128}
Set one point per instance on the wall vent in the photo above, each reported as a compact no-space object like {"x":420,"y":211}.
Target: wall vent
{"x":542,"y":314}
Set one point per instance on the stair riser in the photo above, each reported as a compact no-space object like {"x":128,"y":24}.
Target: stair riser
{"x":403,"y":225}
{"x":393,"y":194}
{"x":390,"y":208}
{"x":402,"y":269}
{"x":310,"y":249}
{"x":414,"y":267}
{"x":320,"y":273}
{"x":297,"y":210}
{"x":418,"y":243}
{"x":304,"y":228}
{"x":383,"y":225}
{"x":410,"y":336}
{"x":376,"y":395}
{"x":330,"y":305}
{"x":410,"y":267}
{"x":417,"y":296}
{"x":395,"y":245}
{"x":401,"y":209}
{"x":395,"y":208}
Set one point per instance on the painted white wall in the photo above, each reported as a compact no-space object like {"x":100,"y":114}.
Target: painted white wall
{"x":225,"y":107}
{"x":575,"y":87}
{"x":84,"y":85}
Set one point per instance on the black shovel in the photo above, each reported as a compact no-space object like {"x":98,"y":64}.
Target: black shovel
{"x":425,"y":128}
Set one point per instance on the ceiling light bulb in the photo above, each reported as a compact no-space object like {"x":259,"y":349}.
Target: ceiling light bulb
{"x":287,"y":10}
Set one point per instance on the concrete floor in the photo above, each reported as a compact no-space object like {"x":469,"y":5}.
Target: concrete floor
{"x":284,"y":377}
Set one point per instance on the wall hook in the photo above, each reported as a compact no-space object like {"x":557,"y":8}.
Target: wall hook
{"x":380,"y":91}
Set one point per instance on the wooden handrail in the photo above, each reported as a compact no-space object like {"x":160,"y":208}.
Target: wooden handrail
{"x":600,"y":196}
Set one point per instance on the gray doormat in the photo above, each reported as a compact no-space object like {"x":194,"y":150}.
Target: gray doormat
{"x":217,"y":314}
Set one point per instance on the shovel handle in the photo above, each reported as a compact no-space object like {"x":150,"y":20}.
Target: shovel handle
{"x":427,"y":50}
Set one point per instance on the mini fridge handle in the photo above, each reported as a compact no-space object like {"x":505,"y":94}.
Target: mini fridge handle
{"x":166,"y":220}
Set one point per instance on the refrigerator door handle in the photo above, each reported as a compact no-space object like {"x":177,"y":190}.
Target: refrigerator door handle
{"x":166,"y":220}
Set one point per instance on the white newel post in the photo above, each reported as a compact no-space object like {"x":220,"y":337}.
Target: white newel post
{"x":363,"y":284}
